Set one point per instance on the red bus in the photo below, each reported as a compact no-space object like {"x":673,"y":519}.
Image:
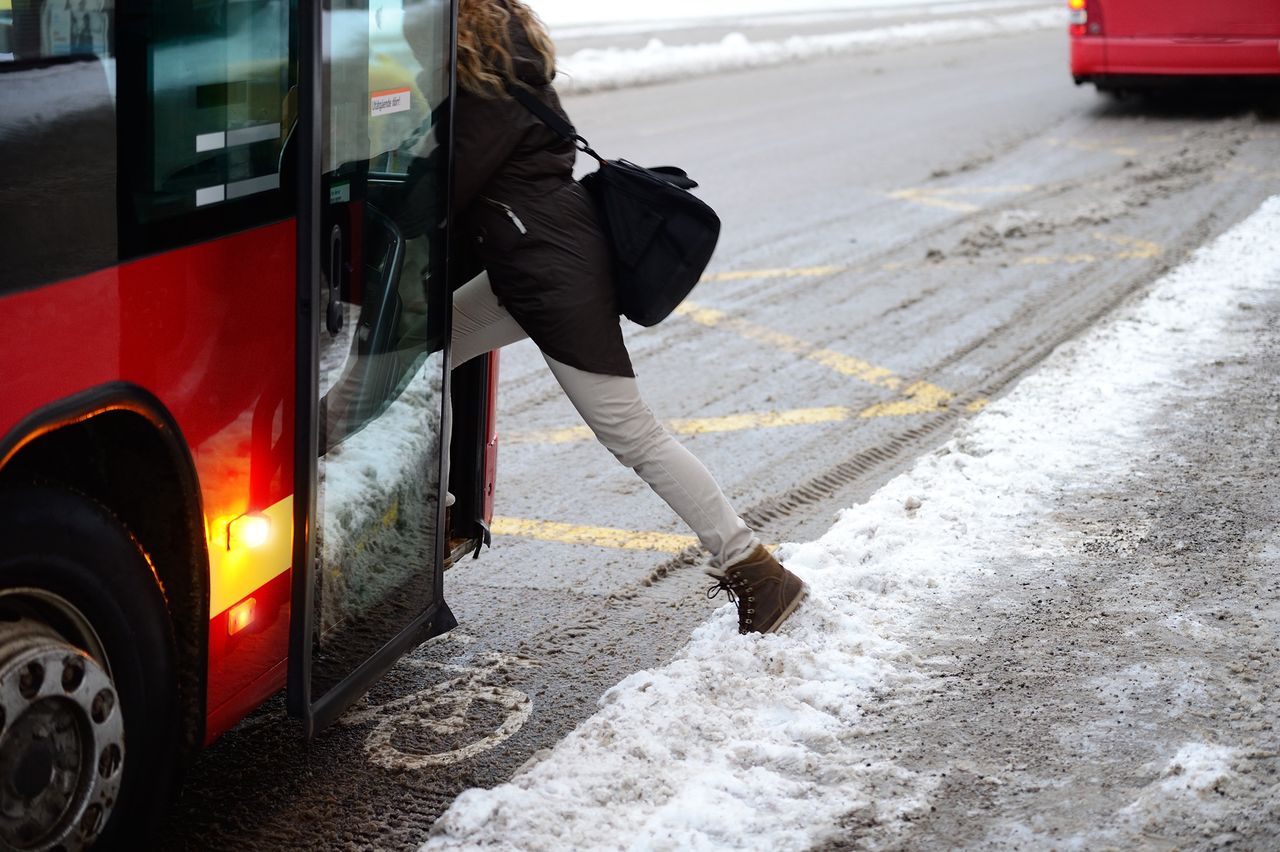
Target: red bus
{"x":1118,"y":44}
{"x":225,"y":375}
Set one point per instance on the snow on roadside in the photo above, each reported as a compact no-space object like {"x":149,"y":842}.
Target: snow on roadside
{"x":631,"y":22}
{"x":596,"y":69}
{"x":558,"y":13}
{"x":759,"y":741}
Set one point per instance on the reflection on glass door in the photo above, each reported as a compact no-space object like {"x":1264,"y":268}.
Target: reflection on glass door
{"x":380,"y":328}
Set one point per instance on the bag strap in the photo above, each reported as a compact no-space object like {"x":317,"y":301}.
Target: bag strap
{"x":551,"y":119}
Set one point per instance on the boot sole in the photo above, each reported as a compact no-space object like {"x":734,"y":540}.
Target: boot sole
{"x":791,"y":607}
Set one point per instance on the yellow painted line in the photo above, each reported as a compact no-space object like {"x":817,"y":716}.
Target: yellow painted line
{"x":846,"y":365}
{"x":1056,"y":259}
{"x":918,"y":398}
{"x":1094,"y":146}
{"x":761,"y":420}
{"x":617,"y":539}
{"x":945,"y":196}
{"x":1254,"y":171}
{"x":701,"y":425}
{"x":763,"y":274}
{"x":570,"y":435}
{"x":1134,"y":248}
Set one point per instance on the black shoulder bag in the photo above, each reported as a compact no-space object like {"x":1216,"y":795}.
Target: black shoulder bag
{"x":661,"y":236}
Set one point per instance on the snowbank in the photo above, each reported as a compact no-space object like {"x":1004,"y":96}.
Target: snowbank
{"x":611,"y":68}
{"x":758,"y":741}
{"x":560,"y":13}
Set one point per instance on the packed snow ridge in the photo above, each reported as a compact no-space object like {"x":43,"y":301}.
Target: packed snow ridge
{"x":760,"y":741}
{"x":595,"y":69}
{"x":590,"y":15}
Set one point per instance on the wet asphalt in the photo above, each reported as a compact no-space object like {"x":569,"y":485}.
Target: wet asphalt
{"x":905,"y":235}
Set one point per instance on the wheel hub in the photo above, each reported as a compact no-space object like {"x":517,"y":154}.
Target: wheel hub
{"x":61,"y":740}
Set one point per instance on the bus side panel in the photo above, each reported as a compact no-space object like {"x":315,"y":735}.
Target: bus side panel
{"x":1173,"y":19}
{"x":1192,"y":57}
{"x":209,"y":330}
{"x":1088,"y":56}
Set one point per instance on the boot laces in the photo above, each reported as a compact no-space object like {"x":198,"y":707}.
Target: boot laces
{"x":726,"y":585}
{"x":739,"y":592}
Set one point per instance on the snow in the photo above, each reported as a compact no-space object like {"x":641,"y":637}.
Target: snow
{"x":760,"y":741}
{"x":562,"y":13}
{"x":593,"y":69}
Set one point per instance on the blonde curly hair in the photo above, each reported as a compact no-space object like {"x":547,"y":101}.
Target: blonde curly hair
{"x":485,"y":64}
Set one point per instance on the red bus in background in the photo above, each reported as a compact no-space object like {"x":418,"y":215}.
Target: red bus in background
{"x":223,"y":409}
{"x":1117,"y":44}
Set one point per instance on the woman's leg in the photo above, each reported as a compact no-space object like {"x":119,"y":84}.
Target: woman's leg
{"x":613,"y":409}
{"x":480,"y":323}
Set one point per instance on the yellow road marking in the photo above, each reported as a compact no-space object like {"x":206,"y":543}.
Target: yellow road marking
{"x":846,"y":365}
{"x":1253,"y":171}
{"x":945,"y":196}
{"x":1056,"y":259}
{"x":1134,"y":248}
{"x":554,"y":531}
{"x":702,"y":425}
{"x":1093,"y":147}
{"x":918,"y":398}
{"x":756,"y":274}
{"x":760,"y":420}
{"x":550,"y":436}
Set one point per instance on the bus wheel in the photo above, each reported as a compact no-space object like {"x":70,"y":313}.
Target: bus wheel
{"x":88,"y":721}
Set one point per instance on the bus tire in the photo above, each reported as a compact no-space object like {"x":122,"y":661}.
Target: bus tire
{"x":71,"y":573}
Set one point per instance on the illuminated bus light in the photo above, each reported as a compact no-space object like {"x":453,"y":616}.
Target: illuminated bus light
{"x":251,"y":530}
{"x":240,"y":616}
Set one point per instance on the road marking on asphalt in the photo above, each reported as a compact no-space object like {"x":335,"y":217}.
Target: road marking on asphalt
{"x":759,"y":274}
{"x":1094,"y":146}
{"x":948,"y":197}
{"x":561,"y":533}
{"x":1254,"y":171}
{"x":1134,"y":248}
{"x":700,"y":425}
{"x":458,"y":712}
{"x":1057,"y":259}
{"x":846,"y":365}
{"x":917,"y":398}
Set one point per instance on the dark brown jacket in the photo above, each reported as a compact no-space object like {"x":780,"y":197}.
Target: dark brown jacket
{"x":536,"y":227}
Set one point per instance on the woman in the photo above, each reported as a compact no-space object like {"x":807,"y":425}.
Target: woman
{"x":548,"y":277}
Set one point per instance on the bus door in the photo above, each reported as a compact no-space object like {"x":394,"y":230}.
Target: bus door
{"x":375,"y":84}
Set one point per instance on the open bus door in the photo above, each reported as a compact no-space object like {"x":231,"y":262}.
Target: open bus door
{"x":374,"y":87}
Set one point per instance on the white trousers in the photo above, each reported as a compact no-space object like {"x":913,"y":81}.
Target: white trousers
{"x":612,"y":408}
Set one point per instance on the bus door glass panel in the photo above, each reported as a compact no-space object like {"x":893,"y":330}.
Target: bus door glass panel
{"x":380,"y":331}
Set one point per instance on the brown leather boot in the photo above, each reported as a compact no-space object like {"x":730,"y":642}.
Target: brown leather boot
{"x":764,"y":591}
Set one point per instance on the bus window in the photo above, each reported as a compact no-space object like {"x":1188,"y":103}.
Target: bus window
{"x":57,"y":141}
{"x":209,"y":127}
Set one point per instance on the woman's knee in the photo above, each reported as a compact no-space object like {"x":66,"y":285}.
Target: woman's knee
{"x":633,"y":436}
